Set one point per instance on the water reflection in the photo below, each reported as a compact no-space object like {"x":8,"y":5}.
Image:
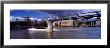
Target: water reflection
{"x":64,"y":33}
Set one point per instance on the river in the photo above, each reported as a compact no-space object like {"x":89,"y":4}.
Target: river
{"x":64,"y":33}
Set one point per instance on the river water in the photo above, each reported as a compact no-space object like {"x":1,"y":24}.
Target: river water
{"x":63,"y":33}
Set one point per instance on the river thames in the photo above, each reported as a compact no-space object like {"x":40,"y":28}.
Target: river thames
{"x":59,"y":33}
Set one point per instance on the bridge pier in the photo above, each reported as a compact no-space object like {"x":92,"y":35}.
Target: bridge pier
{"x":49,"y":29}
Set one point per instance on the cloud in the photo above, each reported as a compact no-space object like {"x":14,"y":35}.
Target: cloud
{"x":12,"y":18}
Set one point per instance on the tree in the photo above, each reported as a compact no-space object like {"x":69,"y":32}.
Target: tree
{"x":17,"y":23}
{"x":27,"y":21}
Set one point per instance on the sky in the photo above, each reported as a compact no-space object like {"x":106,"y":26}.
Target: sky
{"x":30,"y":13}
{"x":41,"y":14}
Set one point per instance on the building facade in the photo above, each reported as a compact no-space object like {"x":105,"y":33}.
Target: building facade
{"x":75,"y":23}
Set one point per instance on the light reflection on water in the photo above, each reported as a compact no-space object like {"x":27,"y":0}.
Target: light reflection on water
{"x":64,"y":33}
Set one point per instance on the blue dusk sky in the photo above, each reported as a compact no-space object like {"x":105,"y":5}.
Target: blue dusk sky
{"x":41,"y":14}
{"x":29,"y":13}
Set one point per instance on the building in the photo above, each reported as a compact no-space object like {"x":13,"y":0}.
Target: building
{"x":65,"y":23}
{"x":76,"y":23}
